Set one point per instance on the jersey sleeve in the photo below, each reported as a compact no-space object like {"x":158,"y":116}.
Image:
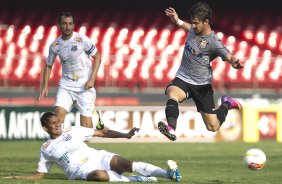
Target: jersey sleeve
{"x":89,"y":48}
{"x":44,"y":165}
{"x":51,"y":56}
{"x":220,"y":49}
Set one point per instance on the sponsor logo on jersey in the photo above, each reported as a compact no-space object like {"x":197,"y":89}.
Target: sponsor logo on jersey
{"x":78,"y":39}
{"x":83,"y":160}
{"x":69,"y":63}
{"x":73,"y":77}
{"x":55,"y":43}
{"x":74,"y":48}
{"x":194,"y":52}
{"x":45,"y":145}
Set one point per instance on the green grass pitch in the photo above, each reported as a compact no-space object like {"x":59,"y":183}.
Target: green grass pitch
{"x":199,"y":163}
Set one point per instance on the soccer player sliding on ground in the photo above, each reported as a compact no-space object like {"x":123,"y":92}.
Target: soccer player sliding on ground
{"x":80,"y":162}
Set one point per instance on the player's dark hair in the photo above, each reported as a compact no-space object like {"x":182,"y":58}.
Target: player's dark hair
{"x":45,"y":118}
{"x":66,"y":14}
{"x":202,"y":11}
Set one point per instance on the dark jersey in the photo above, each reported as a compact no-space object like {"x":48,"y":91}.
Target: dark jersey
{"x":198,"y":53}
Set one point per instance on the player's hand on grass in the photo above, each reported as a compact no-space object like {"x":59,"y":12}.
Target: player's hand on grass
{"x":10,"y":177}
{"x":35,"y":176}
{"x":171,"y":13}
{"x":132,"y":132}
{"x":237,"y":65}
{"x":43,"y":92}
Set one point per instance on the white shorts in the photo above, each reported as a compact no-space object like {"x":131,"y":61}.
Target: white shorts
{"x":84,"y":101}
{"x":101,"y":161}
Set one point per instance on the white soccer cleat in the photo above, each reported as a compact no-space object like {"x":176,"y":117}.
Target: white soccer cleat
{"x":145,"y":179}
{"x":172,"y":171}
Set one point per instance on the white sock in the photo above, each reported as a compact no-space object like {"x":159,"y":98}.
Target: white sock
{"x":141,"y":178}
{"x":146,"y":169}
{"x":132,"y":179}
{"x":115,"y":177}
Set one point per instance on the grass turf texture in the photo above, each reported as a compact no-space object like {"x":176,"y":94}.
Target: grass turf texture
{"x":199,"y":163}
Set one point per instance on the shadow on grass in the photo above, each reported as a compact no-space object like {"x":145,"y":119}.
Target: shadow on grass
{"x":55,"y":177}
{"x":213,"y":182}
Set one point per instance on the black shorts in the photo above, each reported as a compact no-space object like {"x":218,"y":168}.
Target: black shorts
{"x":201,"y":94}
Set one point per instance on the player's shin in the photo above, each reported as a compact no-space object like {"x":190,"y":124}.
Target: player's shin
{"x":222,"y":112}
{"x":146,"y":169}
{"x":172,"y":113}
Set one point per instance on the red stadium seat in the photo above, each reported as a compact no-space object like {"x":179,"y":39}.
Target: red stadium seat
{"x":138,"y":51}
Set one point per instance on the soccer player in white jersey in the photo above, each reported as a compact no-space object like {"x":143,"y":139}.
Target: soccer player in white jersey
{"x":194,"y":76}
{"x":80,"y":162}
{"x":76,"y":86}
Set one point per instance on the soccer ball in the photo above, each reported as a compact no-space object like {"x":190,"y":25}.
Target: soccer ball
{"x":254,"y":159}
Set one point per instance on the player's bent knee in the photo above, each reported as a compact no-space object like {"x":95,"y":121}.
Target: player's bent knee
{"x":61,"y":115}
{"x":213,"y":128}
{"x":120,"y":165}
{"x":61,"y":119}
{"x":98,"y":175}
{"x":211,"y":122}
{"x":86,"y":121}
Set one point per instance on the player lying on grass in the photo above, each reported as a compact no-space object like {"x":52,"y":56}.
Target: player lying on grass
{"x":68,"y":150}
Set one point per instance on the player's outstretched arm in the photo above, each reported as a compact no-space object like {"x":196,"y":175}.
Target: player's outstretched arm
{"x":115,"y":134}
{"x":35,"y":176}
{"x":173,"y":16}
{"x":234,"y":62}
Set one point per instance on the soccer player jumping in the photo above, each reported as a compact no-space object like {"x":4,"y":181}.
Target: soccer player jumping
{"x":194,"y":76}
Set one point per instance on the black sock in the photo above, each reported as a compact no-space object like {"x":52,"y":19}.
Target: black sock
{"x":172,"y":112}
{"x":226,"y":104}
{"x":222,"y":112}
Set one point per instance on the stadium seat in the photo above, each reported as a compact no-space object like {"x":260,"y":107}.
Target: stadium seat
{"x":138,"y":50}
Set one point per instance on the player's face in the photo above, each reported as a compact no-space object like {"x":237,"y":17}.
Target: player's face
{"x":66,"y":26}
{"x":53,"y":127}
{"x":198,"y":26}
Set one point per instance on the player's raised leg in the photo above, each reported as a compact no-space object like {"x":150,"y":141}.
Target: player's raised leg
{"x":175,"y":95}
{"x":85,"y":104}
{"x":100,"y":124}
{"x":214,"y":118}
{"x":232,"y":103}
{"x":227,"y":103}
{"x":61,"y":113}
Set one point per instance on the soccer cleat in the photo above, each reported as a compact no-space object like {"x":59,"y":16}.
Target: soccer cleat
{"x":100,"y":124}
{"x":164,"y":130}
{"x":145,"y":179}
{"x":172,"y":171}
{"x":234,"y":104}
